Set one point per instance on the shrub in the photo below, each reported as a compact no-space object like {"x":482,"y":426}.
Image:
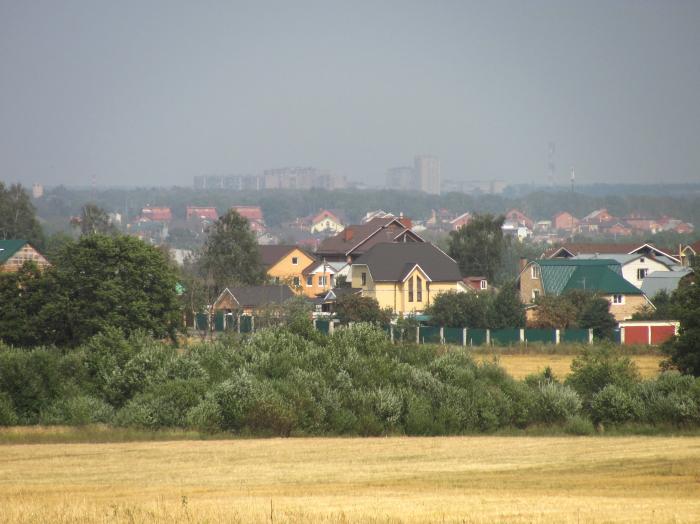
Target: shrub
{"x":614,"y":405}
{"x":556,"y":402}
{"x":205,"y":416}
{"x":8,"y":417}
{"x":78,"y":411}
{"x":163,"y":405}
{"x":579,"y":425}
{"x":599,"y":367}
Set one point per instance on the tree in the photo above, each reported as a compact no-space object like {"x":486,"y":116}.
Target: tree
{"x":595,"y":314}
{"x":18,"y":216}
{"x":96,"y":284}
{"x":555,"y":312}
{"x":508,"y":309}
{"x":453,"y":309}
{"x":94,"y":220}
{"x":478,"y":247}
{"x":356,"y":308}
{"x":230,"y":256}
{"x":684,"y":350}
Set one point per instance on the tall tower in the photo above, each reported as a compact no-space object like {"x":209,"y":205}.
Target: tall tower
{"x":427,"y":172}
{"x":573,"y":179}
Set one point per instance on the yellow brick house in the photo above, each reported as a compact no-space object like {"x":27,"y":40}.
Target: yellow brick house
{"x":406,"y":277}
{"x":285,"y":265}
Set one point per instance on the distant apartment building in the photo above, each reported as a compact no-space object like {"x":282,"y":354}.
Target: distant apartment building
{"x":477,"y":187}
{"x":284,"y":178}
{"x":427,"y":172}
{"x":402,"y":178}
{"x":37,"y":191}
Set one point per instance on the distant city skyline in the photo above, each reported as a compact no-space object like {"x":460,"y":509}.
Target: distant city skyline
{"x":155,"y":93}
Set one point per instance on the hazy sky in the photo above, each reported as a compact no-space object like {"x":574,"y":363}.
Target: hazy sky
{"x":150,"y":93}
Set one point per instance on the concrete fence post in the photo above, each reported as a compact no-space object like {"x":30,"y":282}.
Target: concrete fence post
{"x":590,"y":336}
{"x":442,"y":335}
{"x":238,"y":323}
{"x":557,"y":336}
{"x":331,"y":326}
{"x":252,"y":324}
{"x":522,"y":335}
{"x":649,"y":334}
{"x":391,"y":333}
{"x":488,"y":337}
{"x":314,"y":324}
{"x":417,"y":334}
{"x":464,"y":336}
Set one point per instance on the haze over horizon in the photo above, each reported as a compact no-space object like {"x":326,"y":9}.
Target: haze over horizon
{"x":154,"y":93}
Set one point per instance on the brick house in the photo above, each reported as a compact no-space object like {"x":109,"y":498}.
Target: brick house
{"x":14,"y":253}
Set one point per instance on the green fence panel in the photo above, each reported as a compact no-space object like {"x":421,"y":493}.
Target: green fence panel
{"x":546,"y":336}
{"x":219,"y":321}
{"x":505,"y":337}
{"x":429,"y":335}
{"x":476,"y":337}
{"x":407,"y":334}
{"x":452,"y":335}
{"x":231,"y":322}
{"x":201,"y":321}
{"x":617,"y":336}
{"x":574,"y":336}
{"x":322,"y":326}
{"x":246,"y":323}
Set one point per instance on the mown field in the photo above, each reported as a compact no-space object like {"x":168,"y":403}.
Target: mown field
{"x":521,"y":365}
{"x":453,"y":479}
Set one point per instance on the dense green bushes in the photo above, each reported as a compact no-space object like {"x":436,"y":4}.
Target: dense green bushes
{"x":278,"y":382}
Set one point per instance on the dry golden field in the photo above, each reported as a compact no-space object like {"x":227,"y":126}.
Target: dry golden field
{"x":459,"y":479}
{"x":521,"y":365}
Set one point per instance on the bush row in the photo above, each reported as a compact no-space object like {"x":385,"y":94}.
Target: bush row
{"x":295,"y":382}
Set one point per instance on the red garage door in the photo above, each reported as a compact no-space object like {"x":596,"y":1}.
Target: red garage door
{"x":660,"y":334}
{"x":636,"y":335}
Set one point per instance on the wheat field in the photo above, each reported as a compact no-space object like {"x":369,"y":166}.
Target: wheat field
{"x":373,"y":480}
{"x":521,"y":365}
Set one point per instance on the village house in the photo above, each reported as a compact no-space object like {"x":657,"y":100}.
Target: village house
{"x":326,"y":221}
{"x":406,"y":277}
{"x":201,"y":213}
{"x":321,"y":276}
{"x":249,"y":300}
{"x":155,"y":214}
{"x":14,"y":253}
{"x":515,"y":216}
{"x":285,"y":264}
{"x":357,"y":239}
{"x":254,"y":216}
{"x":379,"y":213}
{"x":601,"y":276}
{"x":477,"y":283}
{"x":461,"y":221}
{"x":565,"y":221}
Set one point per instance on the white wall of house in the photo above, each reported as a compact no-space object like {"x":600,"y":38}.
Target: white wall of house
{"x":631,"y":271}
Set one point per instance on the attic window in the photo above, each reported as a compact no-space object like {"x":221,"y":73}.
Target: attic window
{"x":295,"y":261}
{"x":618,"y":299}
{"x":535,"y":271}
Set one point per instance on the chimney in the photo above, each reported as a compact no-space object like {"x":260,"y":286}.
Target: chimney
{"x":522,"y":263}
{"x":348,"y":233}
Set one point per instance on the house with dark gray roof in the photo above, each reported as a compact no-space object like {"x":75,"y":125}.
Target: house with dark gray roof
{"x":246,"y":300}
{"x":406,"y":277}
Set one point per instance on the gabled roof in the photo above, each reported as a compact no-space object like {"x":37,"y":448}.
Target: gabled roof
{"x":270,"y":255}
{"x":158,"y":214}
{"x":249,"y":212}
{"x":359,"y":238}
{"x":325,"y":213}
{"x":388,"y":262}
{"x":255,"y":296}
{"x":598,"y":275}
{"x":202,"y":212}
{"x":9,"y":248}
{"x":606,"y":248}
{"x":663,"y":281}
{"x":337,"y":292}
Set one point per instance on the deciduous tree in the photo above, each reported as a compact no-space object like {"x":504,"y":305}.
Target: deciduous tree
{"x":478,"y":247}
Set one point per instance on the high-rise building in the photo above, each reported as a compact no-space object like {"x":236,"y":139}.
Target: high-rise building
{"x":427,"y":172}
{"x":401,"y":178}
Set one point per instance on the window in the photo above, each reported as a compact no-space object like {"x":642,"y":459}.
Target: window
{"x":641,"y":273}
{"x":364,"y":279}
{"x":295,"y":261}
{"x":535,"y":294}
{"x":618,"y":299}
{"x":483,"y":284}
{"x":332,"y":280}
{"x":535,"y":271}
{"x":410,"y":289}
{"x":310,"y":280}
{"x":419,"y":290}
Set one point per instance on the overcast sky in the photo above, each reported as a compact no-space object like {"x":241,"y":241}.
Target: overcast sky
{"x":152,"y":93}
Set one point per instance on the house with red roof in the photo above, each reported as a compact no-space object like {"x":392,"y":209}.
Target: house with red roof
{"x":202,"y":213}
{"x":254,"y":216}
{"x":156,"y":214}
{"x":326,"y":221}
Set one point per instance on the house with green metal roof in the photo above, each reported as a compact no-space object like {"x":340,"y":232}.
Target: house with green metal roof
{"x":598,"y":275}
{"x":15,"y":252}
